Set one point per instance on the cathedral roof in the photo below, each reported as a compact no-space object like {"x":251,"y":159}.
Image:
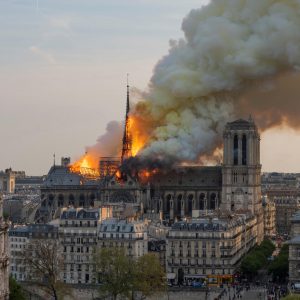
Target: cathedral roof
{"x":61,"y":176}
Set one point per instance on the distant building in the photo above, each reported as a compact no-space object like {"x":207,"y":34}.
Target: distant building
{"x":294,"y":250}
{"x":29,"y":184}
{"x":285,"y":207}
{"x":295,"y":224}
{"x":131,"y":236}
{"x":209,"y":249}
{"x":19,"y":237}
{"x":269,"y":217}
{"x":4,"y":259}
{"x":7,"y":181}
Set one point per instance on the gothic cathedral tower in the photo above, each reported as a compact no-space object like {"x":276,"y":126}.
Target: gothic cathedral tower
{"x":241,"y":172}
{"x":241,"y":188}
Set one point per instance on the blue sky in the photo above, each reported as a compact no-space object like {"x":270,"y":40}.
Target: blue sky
{"x":63,"y":66}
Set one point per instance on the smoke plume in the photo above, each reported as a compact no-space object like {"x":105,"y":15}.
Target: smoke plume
{"x":108,"y":144}
{"x":232,"y":51}
{"x":234,"y":58}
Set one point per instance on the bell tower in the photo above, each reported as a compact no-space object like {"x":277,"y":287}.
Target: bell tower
{"x":241,"y":172}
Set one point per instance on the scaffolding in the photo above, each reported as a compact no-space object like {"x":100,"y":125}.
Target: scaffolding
{"x":108,"y":166}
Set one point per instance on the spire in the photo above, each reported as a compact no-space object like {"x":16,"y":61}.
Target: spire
{"x":127,"y":142}
{"x":127,"y":103}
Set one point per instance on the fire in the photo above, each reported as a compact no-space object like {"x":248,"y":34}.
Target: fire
{"x":87,"y":165}
{"x":139,"y":138}
{"x":145,"y":175}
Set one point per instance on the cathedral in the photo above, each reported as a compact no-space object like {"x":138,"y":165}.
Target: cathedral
{"x":180,"y":193}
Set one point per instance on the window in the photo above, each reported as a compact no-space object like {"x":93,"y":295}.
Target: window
{"x":244,"y":150}
{"x":235,"y":150}
{"x":201,"y":201}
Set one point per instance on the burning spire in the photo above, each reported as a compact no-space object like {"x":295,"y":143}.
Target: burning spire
{"x":127,"y":139}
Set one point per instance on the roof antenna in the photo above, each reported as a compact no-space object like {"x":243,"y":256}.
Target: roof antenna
{"x":53,"y":159}
{"x":250,"y":118}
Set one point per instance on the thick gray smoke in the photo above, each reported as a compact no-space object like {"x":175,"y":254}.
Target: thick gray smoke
{"x":108,"y":144}
{"x":229,"y":48}
{"x":237,"y":57}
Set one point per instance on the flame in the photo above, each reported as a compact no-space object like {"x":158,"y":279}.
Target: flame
{"x":139,"y":138}
{"x":145,"y":175}
{"x":87,"y":165}
{"x":118,"y":174}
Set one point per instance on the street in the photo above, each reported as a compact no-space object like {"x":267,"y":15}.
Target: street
{"x":253,"y":293}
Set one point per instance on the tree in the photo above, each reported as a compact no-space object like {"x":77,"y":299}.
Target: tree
{"x":257,"y":258}
{"x":45,"y":263}
{"x":122,"y":275}
{"x":149,"y":275}
{"x":115,"y":272}
{"x":15,"y":290}
{"x":279,"y":268}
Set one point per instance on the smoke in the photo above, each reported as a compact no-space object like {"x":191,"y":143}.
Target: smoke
{"x":233,"y":53}
{"x":237,"y":57}
{"x":108,"y":144}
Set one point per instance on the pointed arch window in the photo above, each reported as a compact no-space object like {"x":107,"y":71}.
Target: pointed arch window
{"x":244,"y":150}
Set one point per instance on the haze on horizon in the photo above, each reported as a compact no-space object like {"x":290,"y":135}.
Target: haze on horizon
{"x":63,"y":76}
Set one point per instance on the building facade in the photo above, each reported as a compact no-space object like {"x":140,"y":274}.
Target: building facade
{"x":4,"y":259}
{"x":294,"y":250}
{"x":209,"y":249}
{"x":19,"y":239}
{"x":269,"y":217}
{"x":285,"y":208}
{"x":130,"y":236}
{"x":7,"y":181}
{"x":78,"y":238}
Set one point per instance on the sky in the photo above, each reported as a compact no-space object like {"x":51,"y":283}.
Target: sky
{"x":63,"y":75}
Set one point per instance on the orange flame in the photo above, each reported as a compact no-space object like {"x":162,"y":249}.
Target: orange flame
{"x":87,"y":165}
{"x":145,"y":175}
{"x":139,"y":138}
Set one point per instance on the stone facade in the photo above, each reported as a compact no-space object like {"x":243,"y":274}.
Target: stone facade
{"x":269,"y":217}
{"x":294,"y":250}
{"x":19,"y":238}
{"x":285,"y":206}
{"x":78,"y":238}
{"x":63,"y":188}
{"x":131,"y":236}
{"x":7,"y":181}
{"x":241,"y":172}
{"x":209,"y":249}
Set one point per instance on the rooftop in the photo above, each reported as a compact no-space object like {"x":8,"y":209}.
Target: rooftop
{"x":122,"y":226}
{"x":80,"y":213}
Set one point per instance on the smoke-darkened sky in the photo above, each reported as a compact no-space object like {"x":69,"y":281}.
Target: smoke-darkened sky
{"x":63,"y":75}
